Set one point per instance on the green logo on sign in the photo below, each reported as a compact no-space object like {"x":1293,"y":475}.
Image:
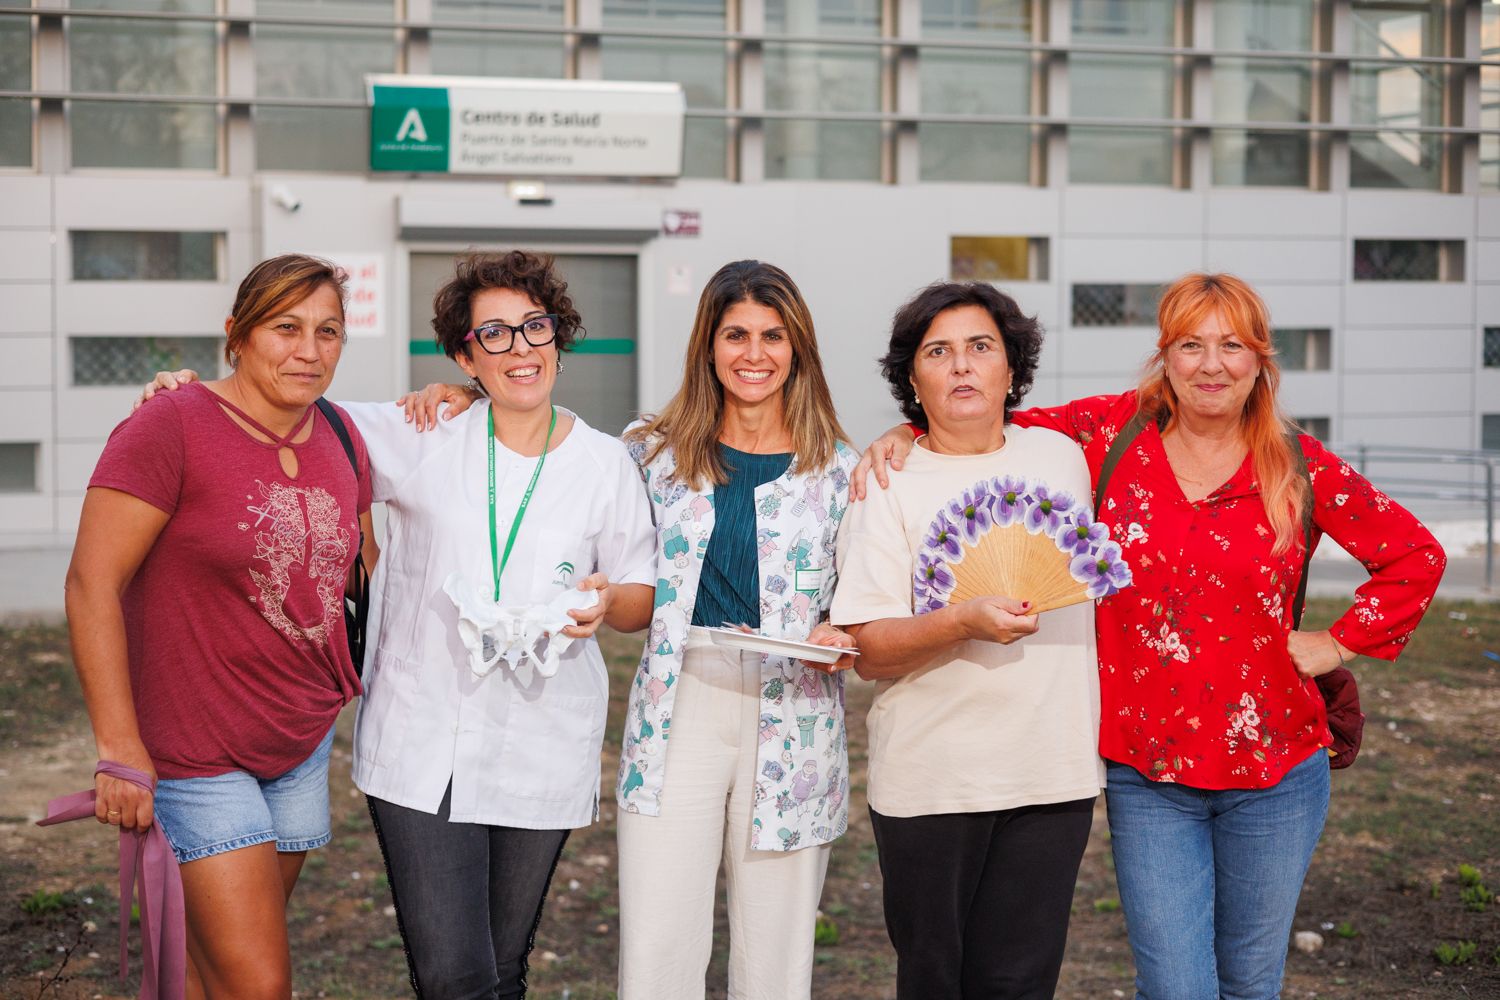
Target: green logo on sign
{"x":409,"y":129}
{"x":564,"y":575}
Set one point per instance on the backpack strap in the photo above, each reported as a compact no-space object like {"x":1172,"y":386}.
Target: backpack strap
{"x":336,"y":423}
{"x":1117,"y":450}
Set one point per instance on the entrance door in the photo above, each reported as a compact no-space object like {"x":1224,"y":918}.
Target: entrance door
{"x":600,"y":378}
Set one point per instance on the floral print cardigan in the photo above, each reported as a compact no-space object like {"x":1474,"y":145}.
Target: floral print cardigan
{"x":801,"y":768}
{"x":1195,"y":679}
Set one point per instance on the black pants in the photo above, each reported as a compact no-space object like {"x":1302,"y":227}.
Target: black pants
{"x":977,"y":903}
{"x":468,"y":898}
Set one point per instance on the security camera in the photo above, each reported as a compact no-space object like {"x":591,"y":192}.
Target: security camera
{"x":282,"y":195}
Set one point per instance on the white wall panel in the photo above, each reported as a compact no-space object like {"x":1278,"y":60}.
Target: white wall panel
{"x":1280,"y":214}
{"x":26,"y":254}
{"x":1366,"y":350}
{"x":75,"y":464}
{"x":26,"y":415}
{"x":27,"y":201}
{"x":26,"y":514}
{"x":1130,"y":211}
{"x":90,"y":414}
{"x":1106,"y":350}
{"x":25,"y":309}
{"x":1408,"y":392}
{"x":1261,"y":261}
{"x":144,"y":307}
{"x":1486,"y":260}
{"x":1149,"y":260}
{"x":26,"y":362}
{"x":1409,"y":304}
{"x":154,"y":203}
{"x":1386,"y":214}
{"x":1309,"y":394}
{"x":1408,"y":431}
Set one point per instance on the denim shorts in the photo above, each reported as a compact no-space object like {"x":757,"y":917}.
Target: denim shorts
{"x":206,"y":816}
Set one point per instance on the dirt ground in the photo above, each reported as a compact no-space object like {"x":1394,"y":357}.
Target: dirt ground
{"x":1385,"y":891}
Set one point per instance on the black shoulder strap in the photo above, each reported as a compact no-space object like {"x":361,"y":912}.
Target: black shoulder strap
{"x":1122,"y":441}
{"x":337,"y":423}
{"x":1299,"y":458}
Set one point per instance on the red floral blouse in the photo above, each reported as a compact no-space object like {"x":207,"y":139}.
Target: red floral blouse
{"x":1195,"y":679}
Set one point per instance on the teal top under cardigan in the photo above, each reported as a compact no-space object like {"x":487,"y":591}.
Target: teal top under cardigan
{"x":728,"y":591}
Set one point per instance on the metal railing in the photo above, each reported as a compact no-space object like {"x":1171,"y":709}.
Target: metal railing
{"x":1446,"y":481}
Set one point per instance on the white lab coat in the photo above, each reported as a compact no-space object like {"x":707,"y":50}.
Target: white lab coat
{"x":520,"y":756}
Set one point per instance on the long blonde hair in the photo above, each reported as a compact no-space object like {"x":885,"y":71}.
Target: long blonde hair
{"x":691,"y":422}
{"x":1187,"y":304}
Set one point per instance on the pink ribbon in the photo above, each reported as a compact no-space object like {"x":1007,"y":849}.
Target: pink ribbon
{"x":148,"y":865}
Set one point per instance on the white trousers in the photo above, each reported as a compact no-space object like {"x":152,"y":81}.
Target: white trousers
{"x":669,"y":863}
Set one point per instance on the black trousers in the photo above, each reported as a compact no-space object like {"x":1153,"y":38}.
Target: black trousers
{"x":977,"y":904}
{"x":468,"y":898}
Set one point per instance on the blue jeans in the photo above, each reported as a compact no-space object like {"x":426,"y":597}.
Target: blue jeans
{"x":225,"y":812}
{"x":1209,"y":879}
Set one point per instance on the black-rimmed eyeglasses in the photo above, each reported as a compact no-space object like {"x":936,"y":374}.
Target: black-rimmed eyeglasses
{"x":497,"y":338}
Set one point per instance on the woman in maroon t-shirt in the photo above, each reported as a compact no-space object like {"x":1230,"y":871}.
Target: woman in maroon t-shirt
{"x":205,"y":603}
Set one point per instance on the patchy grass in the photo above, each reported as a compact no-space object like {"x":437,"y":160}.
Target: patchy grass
{"x":1409,"y":846}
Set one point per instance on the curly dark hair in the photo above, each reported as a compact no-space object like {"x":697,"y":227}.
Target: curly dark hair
{"x":1021,"y":334}
{"x":531,"y":274}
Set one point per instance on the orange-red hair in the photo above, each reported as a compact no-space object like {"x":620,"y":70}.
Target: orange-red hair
{"x":1190,"y":301}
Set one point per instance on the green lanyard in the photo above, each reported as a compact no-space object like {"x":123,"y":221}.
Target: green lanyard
{"x":497,"y":562}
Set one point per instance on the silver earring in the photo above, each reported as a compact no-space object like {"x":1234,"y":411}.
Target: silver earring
{"x":559,"y":366}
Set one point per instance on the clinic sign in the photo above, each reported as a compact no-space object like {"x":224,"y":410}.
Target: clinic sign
{"x":475,"y":125}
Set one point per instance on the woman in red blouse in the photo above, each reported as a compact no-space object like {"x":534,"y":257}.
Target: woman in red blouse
{"x":1213,"y":729}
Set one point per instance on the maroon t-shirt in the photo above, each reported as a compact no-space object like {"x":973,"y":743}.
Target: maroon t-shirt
{"x":235,"y":620}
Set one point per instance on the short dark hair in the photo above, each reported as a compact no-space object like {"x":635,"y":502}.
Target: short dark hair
{"x":532,"y":274}
{"x":1021,"y":334}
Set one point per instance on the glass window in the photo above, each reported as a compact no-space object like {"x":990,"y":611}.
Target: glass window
{"x":143,"y":57}
{"x":1392,"y":95}
{"x":1261,"y":158}
{"x":1408,"y":260}
{"x":18,"y":461}
{"x":811,"y":77}
{"x":1492,"y":347}
{"x":1115,"y":305}
{"x":1489,"y":432}
{"x":699,"y":66}
{"x":294,"y":61}
{"x":134,"y":360}
{"x":1318,"y":427}
{"x":1264,"y":25}
{"x":457,"y":52}
{"x":1489,"y":99}
{"x":1258,"y":90}
{"x":108,"y":255}
{"x":1120,"y":86}
{"x":1302,"y":349}
{"x":998,"y":258}
{"x":15,"y":74}
{"x":960,"y":81}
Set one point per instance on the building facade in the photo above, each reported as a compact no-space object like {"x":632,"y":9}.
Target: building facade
{"x":1342,"y":155}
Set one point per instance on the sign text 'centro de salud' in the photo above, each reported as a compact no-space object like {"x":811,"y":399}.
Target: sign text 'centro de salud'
{"x":475,"y":125}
